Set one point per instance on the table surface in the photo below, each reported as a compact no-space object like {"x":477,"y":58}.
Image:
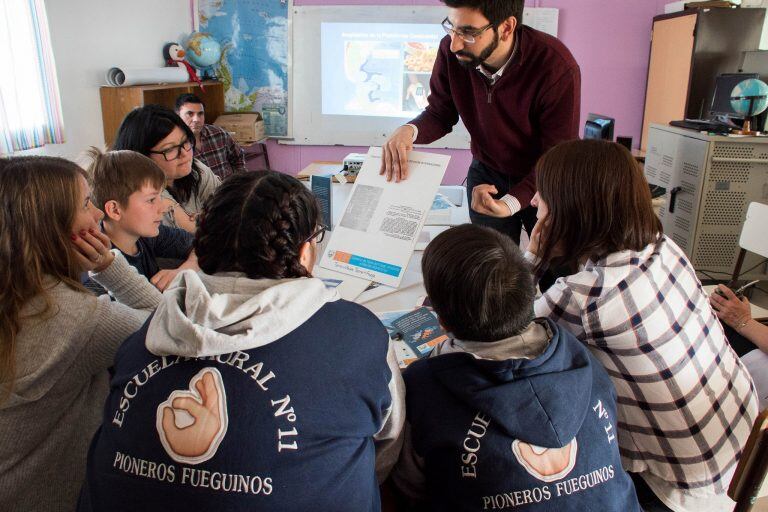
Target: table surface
{"x":403,"y":298}
{"x":407,"y":298}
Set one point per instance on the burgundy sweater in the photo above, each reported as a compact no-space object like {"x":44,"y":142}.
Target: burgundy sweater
{"x":531,"y":107}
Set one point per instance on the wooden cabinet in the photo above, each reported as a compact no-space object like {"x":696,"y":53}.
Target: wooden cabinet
{"x":116,"y":102}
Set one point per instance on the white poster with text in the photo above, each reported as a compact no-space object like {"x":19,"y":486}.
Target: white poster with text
{"x":382,"y":220}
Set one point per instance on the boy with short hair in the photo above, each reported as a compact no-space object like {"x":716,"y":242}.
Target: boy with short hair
{"x":127,"y":186}
{"x":510,"y":411}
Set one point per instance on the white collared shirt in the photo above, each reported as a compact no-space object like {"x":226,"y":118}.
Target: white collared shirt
{"x":493,"y":77}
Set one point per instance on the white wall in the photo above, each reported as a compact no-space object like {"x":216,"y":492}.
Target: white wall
{"x":89,"y":37}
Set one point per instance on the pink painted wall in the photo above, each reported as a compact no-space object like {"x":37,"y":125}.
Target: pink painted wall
{"x":610,"y":40}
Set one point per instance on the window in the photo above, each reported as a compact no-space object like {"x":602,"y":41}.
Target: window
{"x":30,"y":109}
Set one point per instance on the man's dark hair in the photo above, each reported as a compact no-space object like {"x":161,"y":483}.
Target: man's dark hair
{"x":255,"y":223}
{"x":495,"y":10}
{"x":187,"y":98}
{"x":479,"y":284}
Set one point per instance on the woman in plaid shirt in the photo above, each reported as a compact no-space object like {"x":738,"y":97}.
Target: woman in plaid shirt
{"x":686,"y":402}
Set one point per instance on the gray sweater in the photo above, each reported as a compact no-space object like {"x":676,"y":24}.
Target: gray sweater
{"x":61,"y":383}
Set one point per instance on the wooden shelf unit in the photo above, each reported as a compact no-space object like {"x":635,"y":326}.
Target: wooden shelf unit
{"x":116,"y":102}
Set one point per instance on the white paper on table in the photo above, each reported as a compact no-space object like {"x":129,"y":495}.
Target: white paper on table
{"x":427,"y":235}
{"x":381,"y":221}
{"x":349,"y":287}
{"x":441,"y":212}
{"x":410,"y":278}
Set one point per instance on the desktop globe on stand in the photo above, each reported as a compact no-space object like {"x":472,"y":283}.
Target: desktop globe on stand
{"x":204,"y":52}
{"x":749,"y":98}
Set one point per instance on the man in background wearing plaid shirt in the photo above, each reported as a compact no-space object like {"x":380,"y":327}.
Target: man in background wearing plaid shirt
{"x":213,"y":146}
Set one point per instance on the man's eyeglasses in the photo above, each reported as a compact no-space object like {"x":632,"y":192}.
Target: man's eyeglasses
{"x":466,"y":35}
{"x":174,"y":152}
{"x":319,"y":234}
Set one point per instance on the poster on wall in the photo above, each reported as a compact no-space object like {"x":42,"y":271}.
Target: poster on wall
{"x":255,"y":37}
{"x":380,"y":226}
{"x":542,"y":18}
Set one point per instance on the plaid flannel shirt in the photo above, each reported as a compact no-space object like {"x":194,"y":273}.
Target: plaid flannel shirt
{"x":219,"y":151}
{"x":686,"y":403}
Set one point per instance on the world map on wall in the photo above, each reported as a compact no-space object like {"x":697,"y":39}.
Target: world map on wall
{"x":254,"y":63}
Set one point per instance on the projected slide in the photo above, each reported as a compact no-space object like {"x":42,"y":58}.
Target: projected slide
{"x":377,"y":69}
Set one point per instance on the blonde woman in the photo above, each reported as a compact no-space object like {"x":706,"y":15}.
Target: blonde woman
{"x":56,"y":339}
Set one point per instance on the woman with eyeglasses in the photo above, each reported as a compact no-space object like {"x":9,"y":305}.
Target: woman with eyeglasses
{"x":253,"y":387}
{"x":159,"y":133}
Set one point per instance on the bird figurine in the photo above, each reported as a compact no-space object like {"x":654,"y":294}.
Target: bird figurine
{"x":174,"y":54}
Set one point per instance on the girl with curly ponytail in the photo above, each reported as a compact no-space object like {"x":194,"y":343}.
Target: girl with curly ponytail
{"x":264,"y":371}
{"x":259,"y":224}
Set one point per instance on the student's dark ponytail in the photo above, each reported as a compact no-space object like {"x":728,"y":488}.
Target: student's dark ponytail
{"x":255,"y":223}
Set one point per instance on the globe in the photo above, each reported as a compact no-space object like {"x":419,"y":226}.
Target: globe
{"x":203,"y":50}
{"x":752,"y":91}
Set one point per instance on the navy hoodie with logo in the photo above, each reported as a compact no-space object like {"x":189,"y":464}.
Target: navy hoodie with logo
{"x":243,"y":394}
{"x":535,"y":433}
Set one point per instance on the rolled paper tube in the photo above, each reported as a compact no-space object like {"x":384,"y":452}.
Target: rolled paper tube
{"x":137,"y":76}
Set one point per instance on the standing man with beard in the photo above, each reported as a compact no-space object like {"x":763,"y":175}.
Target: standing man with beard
{"x":518,"y":92}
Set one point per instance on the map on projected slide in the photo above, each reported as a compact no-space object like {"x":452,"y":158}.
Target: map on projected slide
{"x":377,"y":69}
{"x":254,"y":66}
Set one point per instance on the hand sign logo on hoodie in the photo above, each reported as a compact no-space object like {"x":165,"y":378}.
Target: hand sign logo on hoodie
{"x":192,"y":422}
{"x":546,"y":464}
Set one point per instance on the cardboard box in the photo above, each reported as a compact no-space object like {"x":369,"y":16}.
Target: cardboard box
{"x":244,"y":128}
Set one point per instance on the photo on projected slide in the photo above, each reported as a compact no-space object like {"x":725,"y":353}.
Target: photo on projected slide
{"x":415,"y":92}
{"x":377,"y":69}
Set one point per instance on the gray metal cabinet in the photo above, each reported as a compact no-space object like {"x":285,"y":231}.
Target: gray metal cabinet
{"x":709,"y":182}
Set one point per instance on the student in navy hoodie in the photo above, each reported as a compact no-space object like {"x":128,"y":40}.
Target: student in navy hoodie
{"x":510,"y":412}
{"x":253,"y":386}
